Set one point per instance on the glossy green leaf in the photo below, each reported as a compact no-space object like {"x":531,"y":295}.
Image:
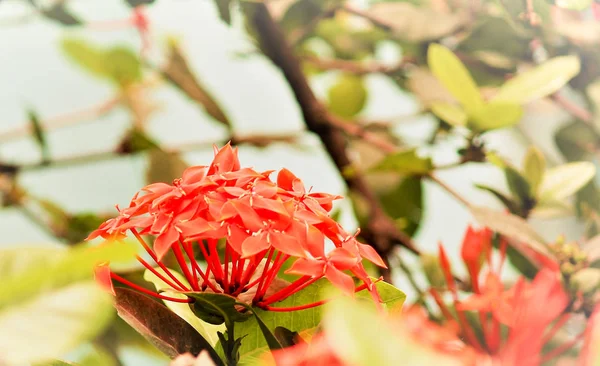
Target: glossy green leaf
{"x":208,"y":331}
{"x":495,"y":115}
{"x":161,"y":327}
{"x":455,"y":77}
{"x":364,"y":337}
{"x":449,"y":113}
{"x":301,"y":320}
{"x":534,"y":168}
{"x":540,"y":81}
{"x":216,"y":308}
{"x":270,"y":338}
{"x":348,"y":96}
{"x":511,"y":226}
{"x":407,"y":162}
{"x":563,"y":181}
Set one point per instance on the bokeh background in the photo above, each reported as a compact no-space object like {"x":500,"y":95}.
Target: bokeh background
{"x":83,"y":126}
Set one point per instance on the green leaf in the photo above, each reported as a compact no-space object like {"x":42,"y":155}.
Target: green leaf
{"x":216,"y":308}
{"x":511,"y":205}
{"x":285,"y":336}
{"x":449,"y":113}
{"x":576,"y":139}
{"x":534,"y":167}
{"x":521,"y":263}
{"x":563,"y":181}
{"x":301,"y":320}
{"x":223,"y":6}
{"x":404,"y":203}
{"x":98,"y":356}
{"x":85,"y":55}
{"x":39,"y":134}
{"x":577,"y":5}
{"x":518,"y":185}
{"x":348,"y":96}
{"x":122,"y":65}
{"x":511,"y":226}
{"x":363,"y":337}
{"x":272,"y":341}
{"x":69,"y":266}
{"x":540,"y":81}
{"x":495,"y":115}
{"x":407,"y":162}
{"x":455,"y":77}
{"x":206,"y":330}
{"x":59,"y":13}
{"x":53,"y":323}
{"x":164,"y":166}
{"x":161,"y":327}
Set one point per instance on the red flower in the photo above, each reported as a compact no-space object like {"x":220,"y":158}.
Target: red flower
{"x":316,"y":353}
{"x":263,"y":224}
{"x":476,"y":248}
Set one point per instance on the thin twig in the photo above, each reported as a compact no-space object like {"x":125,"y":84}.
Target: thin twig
{"x":573,"y":109}
{"x":63,"y":120}
{"x":354,"y":67}
{"x":376,"y":22}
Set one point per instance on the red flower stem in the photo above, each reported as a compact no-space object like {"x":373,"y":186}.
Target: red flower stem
{"x":503,"y":245}
{"x":196,"y":268}
{"x":241,"y":262}
{"x":296,"y":286}
{"x":293,"y":308}
{"x":159,"y":275}
{"x":244,"y":285}
{"x":443,"y":308}
{"x":279,"y":260}
{"x":214,"y":255}
{"x":556,"y":327}
{"x":146,"y":291}
{"x":226,"y":270}
{"x":206,"y":257}
{"x":308,"y":306}
{"x":265,"y":272}
{"x":186,"y":271}
{"x":160,"y":264}
{"x":467,"y":331}
{"x":495,"y":337}
{"x":560,"y":350}
{"x":187,"y":247}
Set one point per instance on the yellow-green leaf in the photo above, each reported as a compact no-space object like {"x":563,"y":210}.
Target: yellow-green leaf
{"x":540,"y":81}
{"x":348,"y":96}
{"x":449,"y":113}
{"x":533,"y":169}
{"x":455,"y":77}
{"x":562,"y":181}
{"x":495,"y":115}
{"x":407,"y":162}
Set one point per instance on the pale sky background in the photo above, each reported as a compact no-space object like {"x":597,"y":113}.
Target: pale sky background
{"x":33,"y":72}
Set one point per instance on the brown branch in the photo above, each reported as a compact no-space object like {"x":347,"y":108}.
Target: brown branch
{"x":380,"y":231}
{"x":354,"y":67}
{"x":573,"y":109}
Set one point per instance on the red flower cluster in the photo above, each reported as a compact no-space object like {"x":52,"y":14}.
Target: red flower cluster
{"x":262,"y":223}
{"x":528,"y":309}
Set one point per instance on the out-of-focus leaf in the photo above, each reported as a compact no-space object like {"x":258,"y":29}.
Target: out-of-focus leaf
{"x":534,"y":166}
{"x":449,"y":113}
{"x":512,"y":206}
{"x":404,"y":204}
{"x":85,"y":55}
{"x":455,"y":77}
{"x":407,"y":162}
{"x":362,"y":336}
{"x":164,"y":166}
{"x":432,"y":270}
{"x":98,"y":356}
{"x":576,"y":139}
{"x":347,"y":41}
{"x":540,"y":81}
{"x":348,"y":96}
{"x":415,"y":24}
{"x":586,"y":279}
{"x":80,"y":225}
{"x":216,"y":308}
{"x":57,"y":363}
{"x":39,"y":135}
{"x":223,"y":6}
{"x":551,"y":209}
{"x":134,"y":3}
{"x":495,"y":115}
{"x":161,"y":327}
{"x":518,"y":185}
{"x":521,"y":263}
{"x":123,"y":65}
{"x":179,"y":74}
{"x":58,"y":12}
{"x":297,"y":321}
{"x":206,"y":330}
{"x":301,"y":13}
{"x":564,"y":180}
{"x":511,"y":226}
{"x":56,"y":269}
{"x":50,"y":305}
{"x":427,"y":87}
{"x":578,"y":5}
